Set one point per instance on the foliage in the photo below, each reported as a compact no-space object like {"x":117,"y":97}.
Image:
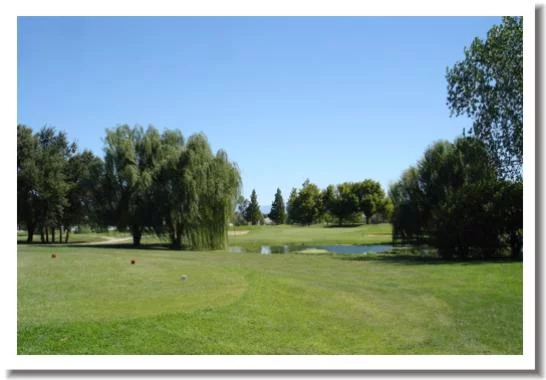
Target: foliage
{"x":487,"y":86}
{"x":305,"y":205}
{"x":82,"y":171}
{"x":454,"y":201}
{"x":42,"y":188}
{"x":149,"y":182}
{"x":340,"y":201}
{"x":278,"y":213}
{"x":291,"y":209}
{"x":253,"y":213}
{"x":370,"y":197}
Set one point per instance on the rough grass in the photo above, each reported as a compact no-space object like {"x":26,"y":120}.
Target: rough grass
{"x":93,"y":301}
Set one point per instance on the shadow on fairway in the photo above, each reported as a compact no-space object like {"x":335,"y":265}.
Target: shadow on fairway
{"x":151,"y":246}
{"x":419,"y":260}
{"x":347,"y":225}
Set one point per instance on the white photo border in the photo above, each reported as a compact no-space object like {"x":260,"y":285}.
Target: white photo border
{"x":8,"y":24}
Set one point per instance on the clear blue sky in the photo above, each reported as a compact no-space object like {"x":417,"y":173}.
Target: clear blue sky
{"x":329,"y":99}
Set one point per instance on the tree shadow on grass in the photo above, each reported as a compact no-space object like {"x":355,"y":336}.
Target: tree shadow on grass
{"x":147,"y":246}
{"x":345,"y":225}
{"x":405,"y":259}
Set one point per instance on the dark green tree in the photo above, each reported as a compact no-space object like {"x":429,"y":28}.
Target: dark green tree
{"x":54,"y":150}
{"x":340,"y":201}
{"x":370,"y":197}
{"x":278,"y":213}
{"x":308,"y":204}
{"x":253,"y":213}
{"x":292,"y":211}
{"x":83,"y":172}
{"x":487,"y":86}
{"x":28,"y":178}
{"x":454,"y":201}
{"x":122,"y":173}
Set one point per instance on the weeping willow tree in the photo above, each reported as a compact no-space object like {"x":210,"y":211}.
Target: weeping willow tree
{"x":132,"y":163}
{"x":222,"y":188}
{"x":197,"y":192}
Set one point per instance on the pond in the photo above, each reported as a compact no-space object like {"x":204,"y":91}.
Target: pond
{"x":331,"y":248}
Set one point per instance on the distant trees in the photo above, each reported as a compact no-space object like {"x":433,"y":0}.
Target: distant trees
{"x":487,"y":86}
{"x":346,"y":200}
{"x":291,"y":210}
{"x":278,"y":212}
{"x":305,"y":205}
{"x":454,"y":200}
{"x":147,"y":182}
{"x":253,"y":213}
{"x":340,"y":201}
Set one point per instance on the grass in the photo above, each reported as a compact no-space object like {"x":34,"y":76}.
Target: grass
{"x":315,"y":234}
{"x":93,"y":301}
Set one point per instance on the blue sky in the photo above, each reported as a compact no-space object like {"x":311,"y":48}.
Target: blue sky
{"x":329,"y":99}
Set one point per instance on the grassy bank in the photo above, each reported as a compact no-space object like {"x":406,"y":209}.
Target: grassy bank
{"x":93,"y":301}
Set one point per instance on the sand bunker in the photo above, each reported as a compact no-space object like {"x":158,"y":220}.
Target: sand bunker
{"x":237,"y":233}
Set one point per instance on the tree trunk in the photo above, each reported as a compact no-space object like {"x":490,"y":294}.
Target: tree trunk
{"x":137,"y":235}
{"x":42,"y":234}
{"x":515,"y":246}
{"x":30,"y":233}
{"x":67,"y":234}
{"x":53,"y":234}
{"x":47,"y":234}
{"x":367,"y":220}
{"x":177,"y":241}
{"x":136,"y":239}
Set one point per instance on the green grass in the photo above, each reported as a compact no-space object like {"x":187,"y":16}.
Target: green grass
{"x":93,"y":301}
{"x":315,"y":234}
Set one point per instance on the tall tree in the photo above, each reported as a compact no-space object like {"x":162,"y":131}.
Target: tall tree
{"x":28,"y":174}
{"x":54,"y":150}
{"x":83,"y":173}
{"x":278,"y":213}
{"x":370,"y":197}
{"x":454,"y":200}
{"x":487,"y":86}
{"x":170,"y":191}
{"x":122,"y":173}
{"x":253,"y":213}
{"x":198,"y":191}
{"x":292,"y":211}
{"x":341,"y":201}
{"x":308,"y":204}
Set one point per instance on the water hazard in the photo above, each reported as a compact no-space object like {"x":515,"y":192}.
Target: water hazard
{"x":318,"y":248}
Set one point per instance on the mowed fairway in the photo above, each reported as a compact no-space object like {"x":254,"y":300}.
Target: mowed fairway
{"x":93,"y":301}
{"x":253,"y":237}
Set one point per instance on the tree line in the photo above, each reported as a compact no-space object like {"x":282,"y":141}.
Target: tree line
{"x":466,"y":197}
{"x":342,"y":203}
{"x":147,"y":182}
{"x":454,"y":200}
